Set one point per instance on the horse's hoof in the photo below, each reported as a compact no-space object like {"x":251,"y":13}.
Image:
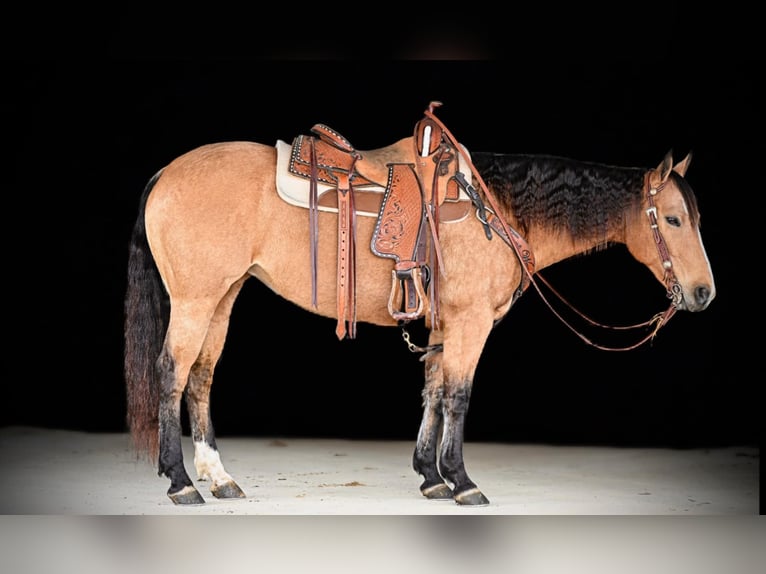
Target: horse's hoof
{"x":437,"y":492}
{"x":188,"y":495}
{"x":227,"y":490}
{"x":471,"y":497}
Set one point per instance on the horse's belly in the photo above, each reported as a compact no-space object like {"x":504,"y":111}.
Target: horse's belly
{"x":285,"y":267}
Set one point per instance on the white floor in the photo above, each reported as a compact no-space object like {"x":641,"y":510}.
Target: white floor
{"x":55,"y":472}
{"x":77,"y":502}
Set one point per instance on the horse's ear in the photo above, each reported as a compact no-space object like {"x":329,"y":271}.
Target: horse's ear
{"x":682,"y":167}
{"x":660,"y":175}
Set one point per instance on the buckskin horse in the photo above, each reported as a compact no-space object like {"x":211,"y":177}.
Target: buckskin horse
{"x":421,"y":229}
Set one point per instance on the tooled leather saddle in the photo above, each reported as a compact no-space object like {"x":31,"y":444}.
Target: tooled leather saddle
{"x":410,"y":186}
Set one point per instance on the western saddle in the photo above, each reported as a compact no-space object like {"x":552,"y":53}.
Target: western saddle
{"x":410,"y":186}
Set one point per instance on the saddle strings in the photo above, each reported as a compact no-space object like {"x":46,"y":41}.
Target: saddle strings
{"x":313,"y":225}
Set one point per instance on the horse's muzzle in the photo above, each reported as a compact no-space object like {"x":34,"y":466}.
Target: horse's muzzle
{"x":700,"y":298}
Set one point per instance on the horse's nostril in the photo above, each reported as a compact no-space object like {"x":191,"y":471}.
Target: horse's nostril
{"x":702,"y":294}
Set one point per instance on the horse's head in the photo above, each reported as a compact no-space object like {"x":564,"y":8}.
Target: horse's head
{"x":666,"y":236}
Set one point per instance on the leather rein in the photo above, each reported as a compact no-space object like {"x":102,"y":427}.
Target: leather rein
{"x":491,"y":219}
{"x":674,"y":290}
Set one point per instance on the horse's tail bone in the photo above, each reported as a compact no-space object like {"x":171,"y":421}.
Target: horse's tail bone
{"x":146,"y":317}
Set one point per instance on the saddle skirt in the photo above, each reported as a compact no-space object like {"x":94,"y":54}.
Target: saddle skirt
{"x":368,"y":196}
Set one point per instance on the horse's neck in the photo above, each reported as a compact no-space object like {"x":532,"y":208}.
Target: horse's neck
{"x":551,"y":246}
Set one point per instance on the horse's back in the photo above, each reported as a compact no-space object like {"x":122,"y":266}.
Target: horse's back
{"x":218,"y":174}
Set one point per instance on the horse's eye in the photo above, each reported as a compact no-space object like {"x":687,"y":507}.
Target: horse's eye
{"x":673,"y":220}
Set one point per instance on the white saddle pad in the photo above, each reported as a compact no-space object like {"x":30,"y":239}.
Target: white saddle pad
{"x":295,"y":190}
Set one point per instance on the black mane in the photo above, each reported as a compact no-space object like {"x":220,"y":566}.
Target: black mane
{"x":580,"y":198}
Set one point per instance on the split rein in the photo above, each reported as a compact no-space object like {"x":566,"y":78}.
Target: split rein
{"x":671,"y":282}
{"x":491,"y":218}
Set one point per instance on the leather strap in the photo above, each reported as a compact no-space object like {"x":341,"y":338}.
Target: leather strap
{"x":500,"y":223}
{"x":438,"y":268}
{"x":346,"y":258}
{"x":674,"y":289}
{"x":432,"y":158}
{"x":313,"y":221}
{"x":519,"y":245}
{"x":507,"y":233}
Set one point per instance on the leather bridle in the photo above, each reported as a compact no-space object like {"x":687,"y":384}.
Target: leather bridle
{"x":674,"y":289}
{"x":491,"y":218}
{"x":675,"y":292}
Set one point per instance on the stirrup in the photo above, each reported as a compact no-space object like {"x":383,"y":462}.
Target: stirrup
{"x":398,"y":279}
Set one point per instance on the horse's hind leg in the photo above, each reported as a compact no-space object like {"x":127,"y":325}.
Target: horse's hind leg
{"x":178,"y":354}
{"x":424,"y":458}
{"x":187,"y":329}
{"x":207,"y":459}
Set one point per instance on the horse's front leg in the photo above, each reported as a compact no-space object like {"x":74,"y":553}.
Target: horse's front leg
{"x":455,"y":402}
{"x":424,"y":458}
{"x":462,"y":350}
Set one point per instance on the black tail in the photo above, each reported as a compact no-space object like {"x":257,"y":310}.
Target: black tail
{"x":146,"y":318}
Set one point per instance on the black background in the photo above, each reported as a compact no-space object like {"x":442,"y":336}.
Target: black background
{"x":87,"y":136}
